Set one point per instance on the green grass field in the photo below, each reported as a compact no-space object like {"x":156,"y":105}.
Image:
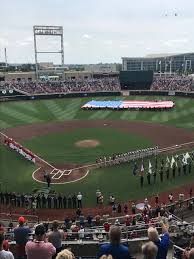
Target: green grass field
{"x":13,"y":114}
{"x":15,"y":172}
{"x":59,"y":148}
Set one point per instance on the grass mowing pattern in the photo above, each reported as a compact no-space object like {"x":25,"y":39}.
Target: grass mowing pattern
{"x":59,"y":148}
{"x":13,"y":114}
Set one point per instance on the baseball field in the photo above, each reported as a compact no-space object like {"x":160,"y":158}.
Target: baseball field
{"x":66,"y":137}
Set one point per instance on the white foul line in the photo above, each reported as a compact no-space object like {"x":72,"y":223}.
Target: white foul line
{"x":87,"y":166}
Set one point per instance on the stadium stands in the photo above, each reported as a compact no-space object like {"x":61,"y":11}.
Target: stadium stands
{"x":66,"y":86}
{"x":103,"y":84}
{"x":94,"y":233}
{"x":173,"y":83}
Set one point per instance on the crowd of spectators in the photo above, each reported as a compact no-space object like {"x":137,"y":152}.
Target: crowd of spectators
{"x":46,"y":239}
{"x":173,"y":83}
{"x":161,"y":83}
{"x":66,"y":86}
{"x":43,"y":241}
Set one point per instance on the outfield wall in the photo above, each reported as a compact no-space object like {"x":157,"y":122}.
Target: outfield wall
{"x":18,"y":97}
{"x":57,"y":95}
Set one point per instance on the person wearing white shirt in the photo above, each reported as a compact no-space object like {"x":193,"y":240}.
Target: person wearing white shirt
{"x":81,"y":233}
{"x":4,"y":254}
{"x":79,"y":200}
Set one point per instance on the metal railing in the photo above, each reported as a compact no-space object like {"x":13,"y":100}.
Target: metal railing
{"x":177,"y":252}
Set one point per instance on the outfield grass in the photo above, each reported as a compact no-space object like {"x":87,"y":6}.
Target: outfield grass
{"x":15,"y":172}
{"x":26,"y":112}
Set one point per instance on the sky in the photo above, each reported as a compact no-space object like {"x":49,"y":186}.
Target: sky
{"x":96,"y":30}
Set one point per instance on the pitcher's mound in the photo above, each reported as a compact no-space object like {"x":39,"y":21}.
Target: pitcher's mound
{"x":87,"y":143}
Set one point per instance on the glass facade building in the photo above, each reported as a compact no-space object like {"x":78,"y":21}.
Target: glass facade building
{"x":179,"y":63}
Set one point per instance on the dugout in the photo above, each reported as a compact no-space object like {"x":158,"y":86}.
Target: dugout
{"x":136,"y":80}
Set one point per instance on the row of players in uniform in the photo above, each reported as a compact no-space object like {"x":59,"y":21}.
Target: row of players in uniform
{"x":126,"y":157}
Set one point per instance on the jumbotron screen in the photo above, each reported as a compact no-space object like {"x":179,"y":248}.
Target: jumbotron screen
{"x":136,"y":80}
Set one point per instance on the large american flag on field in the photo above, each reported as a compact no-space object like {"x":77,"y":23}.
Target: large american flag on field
{"x":130,"y":104}
{"x":147,"y":104}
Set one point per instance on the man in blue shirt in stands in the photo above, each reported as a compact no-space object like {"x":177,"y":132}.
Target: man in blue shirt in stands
{"x":21,"y":235}
{"x":162,"y":243}
{"x":115,"y":248}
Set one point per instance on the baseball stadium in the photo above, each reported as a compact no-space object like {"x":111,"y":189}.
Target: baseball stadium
{"x":97,"y":155}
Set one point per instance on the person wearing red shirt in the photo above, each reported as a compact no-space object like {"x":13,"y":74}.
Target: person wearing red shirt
{"x":5,"y":242}
{"x":106,"y":227}
{"x":125,"y":210}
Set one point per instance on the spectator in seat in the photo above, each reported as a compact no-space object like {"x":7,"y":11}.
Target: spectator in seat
{"x":106,"y":257}
{"x":39,"y":248}
{"x":78,"y":213}
{"x":81,"y":232}
{"x":125,"y":210}
{"x":21,"y":235}
{"x":97,"y":220}
{"x":81,"y":220}
{"x":191,"y":254}
{"x":192,"y":241}
{"x":5,"y":242}
{"x":89,"y":219}
{"x":65,"y":254}
{"x":162,"y":243}
{"x":4,"y":254}
{"x":56,"y":236}
{"x":133,"y":208}
{"x":149,"y":250}
{"x":127,"y":220}
{"x":114,"y":248}
{"x":188,"y":254}
{"x":119,"y":208}
{"x":74,"y":227}
{"x":106,"y":226}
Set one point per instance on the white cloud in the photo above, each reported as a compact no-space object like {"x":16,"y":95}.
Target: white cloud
{"x":108,"y":42}
{"x":29,"y":39}
{"x":86,"y":36}
{"x":4,"y":42}
{"x":22,"y":43}
{"x":124,"y":44}
{"x":171,"y":43}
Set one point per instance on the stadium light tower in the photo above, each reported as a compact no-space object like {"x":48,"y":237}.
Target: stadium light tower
{"x":47,"y":31}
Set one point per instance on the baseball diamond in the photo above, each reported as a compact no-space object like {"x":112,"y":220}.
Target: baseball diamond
{"x":55,"y":142}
